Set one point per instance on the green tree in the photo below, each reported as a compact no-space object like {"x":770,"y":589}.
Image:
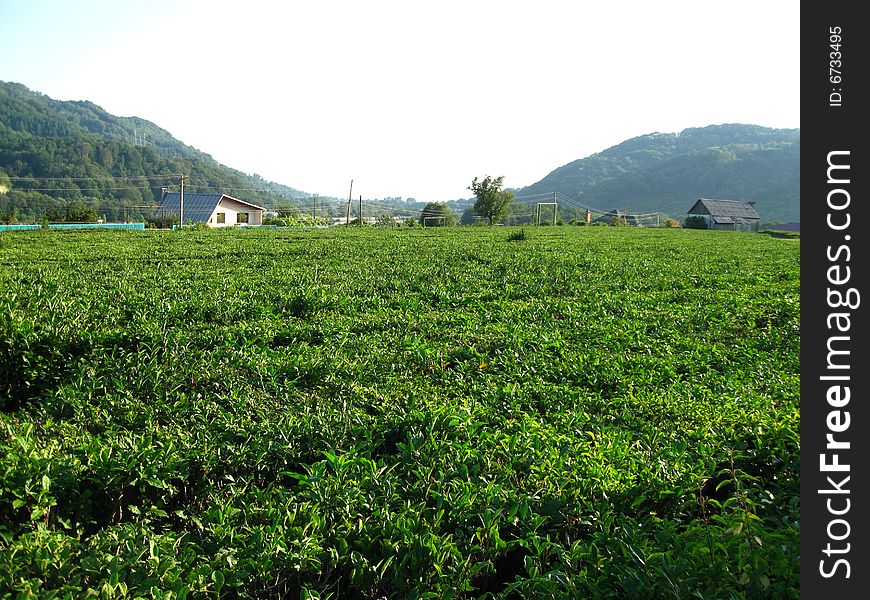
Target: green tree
{"x":77,"y":212}
{"x":437,"y":214}
{"x":492,"y":201}
{"x":9,"y":217}
{"x":469,"y":217}
{"x":5,"y":184}
{"x":385,"y":220}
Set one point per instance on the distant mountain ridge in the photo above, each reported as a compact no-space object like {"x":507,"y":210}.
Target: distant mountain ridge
{"x":97,"y":154}
{"x":667,"y":172}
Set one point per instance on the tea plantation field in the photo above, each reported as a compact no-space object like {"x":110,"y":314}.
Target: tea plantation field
{"x":588,"y":412}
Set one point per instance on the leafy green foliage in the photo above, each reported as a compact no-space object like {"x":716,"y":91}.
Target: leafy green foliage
{"x":437,"y":214}
{"x":591,"y":413}
{"x":518,"y":236}
{"x":492,"y":201}
{"x":73,"y":212}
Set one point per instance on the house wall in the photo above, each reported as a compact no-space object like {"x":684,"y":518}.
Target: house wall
{"x":750,"y":225}
{"x":708,"y":219}
{"x":738,"y":225}
{"x":231,"y":209}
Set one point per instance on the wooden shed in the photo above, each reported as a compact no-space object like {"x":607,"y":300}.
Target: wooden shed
{"x":731,"y":215}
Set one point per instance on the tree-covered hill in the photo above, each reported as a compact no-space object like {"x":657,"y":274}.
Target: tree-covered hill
{"x":56,"y":152}
{"x":667,"y":172}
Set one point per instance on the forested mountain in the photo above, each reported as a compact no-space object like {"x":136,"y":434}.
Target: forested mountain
{"x":53,"y":153}
{"x":668,"y":172}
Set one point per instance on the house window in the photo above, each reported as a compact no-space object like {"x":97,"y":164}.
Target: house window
{"x":221,"y":217}
{"x":241,"y":217}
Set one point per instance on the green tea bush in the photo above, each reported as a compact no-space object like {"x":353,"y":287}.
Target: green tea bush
{"x":399,"y":412}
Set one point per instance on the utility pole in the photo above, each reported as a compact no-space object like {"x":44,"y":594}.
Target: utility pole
{"x":349,"y":198}
{"x":181,"y":204}
{"x":555,"y":208}
{"x":360,"y":210}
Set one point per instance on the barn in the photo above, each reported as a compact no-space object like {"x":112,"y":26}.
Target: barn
{"x":731,"y":215}
{"x":215,"y":210}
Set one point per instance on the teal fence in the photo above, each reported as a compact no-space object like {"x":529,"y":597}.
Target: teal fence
{"x":17,"y":227}
{"x":132,"y":226}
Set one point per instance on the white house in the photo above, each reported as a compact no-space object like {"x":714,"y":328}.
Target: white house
{"x":217,"y":210}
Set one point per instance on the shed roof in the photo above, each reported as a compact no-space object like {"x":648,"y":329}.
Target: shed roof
{"x":724,"y":208}
{"x":198,"y":206}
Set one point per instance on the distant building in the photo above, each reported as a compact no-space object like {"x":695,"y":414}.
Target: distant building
{"x":730,"y":215}
{"x":216,"y":210}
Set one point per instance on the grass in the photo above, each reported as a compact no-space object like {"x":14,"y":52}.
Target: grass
{"x":363,"y":413}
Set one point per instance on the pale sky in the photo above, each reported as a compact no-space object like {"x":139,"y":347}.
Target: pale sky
{"x":410,"y":99}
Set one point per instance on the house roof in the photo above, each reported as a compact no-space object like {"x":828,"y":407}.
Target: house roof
{"x":198,"y":207}
{"x":724,"y":208}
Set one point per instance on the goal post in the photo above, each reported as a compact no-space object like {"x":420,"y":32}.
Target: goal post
{"x":539,"y":211}
{"x":427,"y":219}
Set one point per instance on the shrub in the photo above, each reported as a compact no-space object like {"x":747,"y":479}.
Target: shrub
{"x":517,"y":236}
{"x":695,"y":222}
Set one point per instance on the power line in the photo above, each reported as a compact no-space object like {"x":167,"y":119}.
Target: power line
{"x":104,"y":178}
{"x":79,"y":189}
{"x":198,"y":181}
